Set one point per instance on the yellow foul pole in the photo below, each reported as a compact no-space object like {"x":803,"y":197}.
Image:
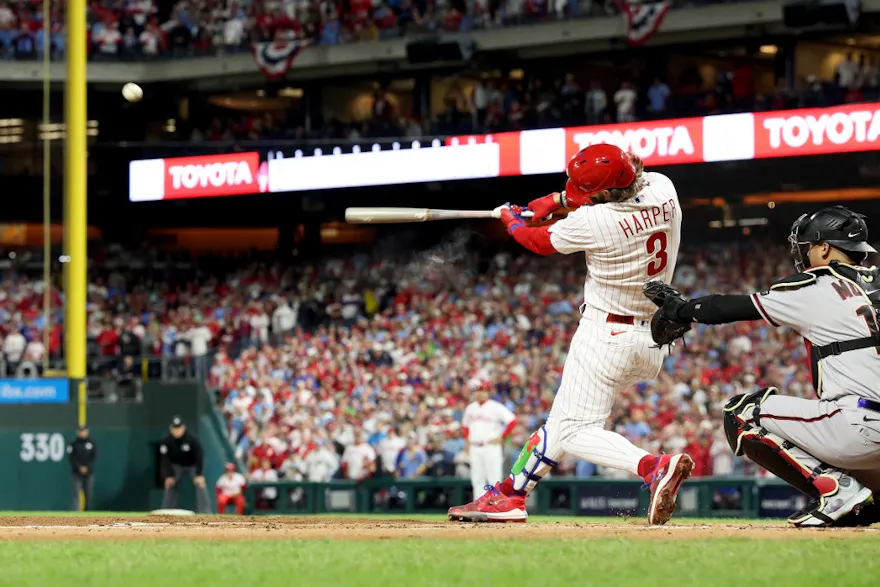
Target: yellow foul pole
{"x":75,"y":203}
{"x":47,"y":185}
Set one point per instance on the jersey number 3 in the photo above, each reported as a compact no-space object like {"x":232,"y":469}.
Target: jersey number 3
{"x":657,"y":250}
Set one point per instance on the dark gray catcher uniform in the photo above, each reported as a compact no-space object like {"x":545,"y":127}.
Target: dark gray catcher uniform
{"x":827,"y":447}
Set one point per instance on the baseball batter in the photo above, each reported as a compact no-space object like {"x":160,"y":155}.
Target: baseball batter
{"x":824,"y":447}
{"x":628,"y":224}
{"x":485,"y":425}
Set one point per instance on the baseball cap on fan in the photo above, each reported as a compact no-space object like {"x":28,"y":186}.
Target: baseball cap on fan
{"x":177,"y":422}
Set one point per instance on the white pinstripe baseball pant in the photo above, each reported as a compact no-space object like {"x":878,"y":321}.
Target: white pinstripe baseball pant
{"x":604,"y":358}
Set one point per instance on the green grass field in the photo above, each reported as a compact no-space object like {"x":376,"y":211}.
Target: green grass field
{"x":375,"y":550}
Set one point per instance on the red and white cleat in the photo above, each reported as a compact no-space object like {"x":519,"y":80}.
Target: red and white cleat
{"x":665,"y":480}
{"x":494,"y":506}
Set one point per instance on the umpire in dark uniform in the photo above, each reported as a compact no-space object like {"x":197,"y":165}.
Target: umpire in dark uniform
{"x":181,"y":455}
{"x":81,"y":452}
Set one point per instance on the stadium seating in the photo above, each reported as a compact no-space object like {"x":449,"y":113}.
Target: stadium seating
{"x":380,"y":349}
{"x":387,"y":361}
{"x":495,"y":104}
{"x":147,"y":29}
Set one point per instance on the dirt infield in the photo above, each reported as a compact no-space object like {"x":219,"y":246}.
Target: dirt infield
{"x":322,"y":528}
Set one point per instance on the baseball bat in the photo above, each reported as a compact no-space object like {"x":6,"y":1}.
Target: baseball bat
{"x":392,"y":215}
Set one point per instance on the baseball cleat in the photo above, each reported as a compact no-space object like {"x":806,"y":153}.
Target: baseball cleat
{"x":493,"y":506}
{"x":850,"y":498}
{"x":664,"y":481}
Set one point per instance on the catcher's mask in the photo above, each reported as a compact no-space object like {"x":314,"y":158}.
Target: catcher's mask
{"x":840,"y":227}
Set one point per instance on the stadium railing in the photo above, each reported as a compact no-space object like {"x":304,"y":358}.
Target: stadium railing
{"x":108,"y":379}
{"x":706,"y":497}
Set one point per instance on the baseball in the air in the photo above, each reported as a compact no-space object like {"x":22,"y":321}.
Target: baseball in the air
{"x":132,"y":92}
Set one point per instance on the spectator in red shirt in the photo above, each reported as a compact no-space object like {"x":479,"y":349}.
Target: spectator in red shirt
{"x":108,"y":340}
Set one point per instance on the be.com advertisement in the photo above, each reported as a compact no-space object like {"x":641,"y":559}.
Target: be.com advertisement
{"x":725,"y":137}
{"x":34,"y":391}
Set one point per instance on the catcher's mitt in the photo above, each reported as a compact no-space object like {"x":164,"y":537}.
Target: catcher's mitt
{"x":666,"y":327}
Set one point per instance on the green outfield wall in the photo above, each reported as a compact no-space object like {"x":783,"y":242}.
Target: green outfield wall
{"x":33,"y":440}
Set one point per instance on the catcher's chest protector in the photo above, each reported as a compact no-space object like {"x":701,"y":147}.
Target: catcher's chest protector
{"x":839,"y":306}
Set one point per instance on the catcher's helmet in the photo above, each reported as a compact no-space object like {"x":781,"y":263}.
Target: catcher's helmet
{"x":600,"y":167}
{"x":840,"y":227}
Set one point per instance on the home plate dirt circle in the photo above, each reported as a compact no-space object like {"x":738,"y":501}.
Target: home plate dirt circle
{"x":345,"y":528}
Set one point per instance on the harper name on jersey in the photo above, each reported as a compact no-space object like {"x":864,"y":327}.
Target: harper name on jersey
{"x":626,"y":243}
{"x":649,"y":219}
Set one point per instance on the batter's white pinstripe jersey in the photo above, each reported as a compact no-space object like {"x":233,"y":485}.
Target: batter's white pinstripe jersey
{"x":626,"y":244}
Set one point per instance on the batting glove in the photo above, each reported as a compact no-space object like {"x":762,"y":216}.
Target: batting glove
{"x":510,"y":216}
{"x":545,"y":207}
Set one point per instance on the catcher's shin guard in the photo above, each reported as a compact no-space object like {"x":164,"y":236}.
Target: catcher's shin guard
{"x":835,"y":494}
{"x":535,"y":460}
{"x":782,"y":458}
{"x":742,"y":412}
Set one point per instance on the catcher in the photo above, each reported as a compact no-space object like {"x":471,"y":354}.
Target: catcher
{"x":828,"y":448}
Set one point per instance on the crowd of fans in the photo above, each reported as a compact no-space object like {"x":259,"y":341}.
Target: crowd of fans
{"x":144,"y":29}
{"x":139,"y":29}
{"x":360,"y":366}
{"x":367,"y":374}
{"x":491,"y":104}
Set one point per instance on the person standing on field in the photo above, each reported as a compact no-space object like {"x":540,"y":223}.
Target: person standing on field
{"x":230,"y":490}
{"x":485,"y":425}
{"x":181,"y":454}
{"x":82,"y":452}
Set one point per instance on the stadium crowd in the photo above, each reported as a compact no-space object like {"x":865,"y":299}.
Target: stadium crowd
{"x":145,"y":29}
{"x":361,"y":365}
{"x":493,"y":104}
{"x":379,"y":386}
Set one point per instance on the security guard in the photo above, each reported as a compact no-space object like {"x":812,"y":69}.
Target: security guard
{"x":181,"y":454}
{"x":82,"y":452}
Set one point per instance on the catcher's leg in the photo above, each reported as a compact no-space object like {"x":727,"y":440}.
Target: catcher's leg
{"x":835,"y":493}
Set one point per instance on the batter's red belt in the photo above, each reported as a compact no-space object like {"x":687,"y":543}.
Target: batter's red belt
{"x":618,"y":319}
{"x":481,"y":444}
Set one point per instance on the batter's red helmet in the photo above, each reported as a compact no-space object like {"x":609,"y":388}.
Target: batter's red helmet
{"x":601,"y":167}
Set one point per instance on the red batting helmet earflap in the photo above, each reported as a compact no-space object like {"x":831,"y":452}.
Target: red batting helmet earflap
{"x":597,"y":168}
